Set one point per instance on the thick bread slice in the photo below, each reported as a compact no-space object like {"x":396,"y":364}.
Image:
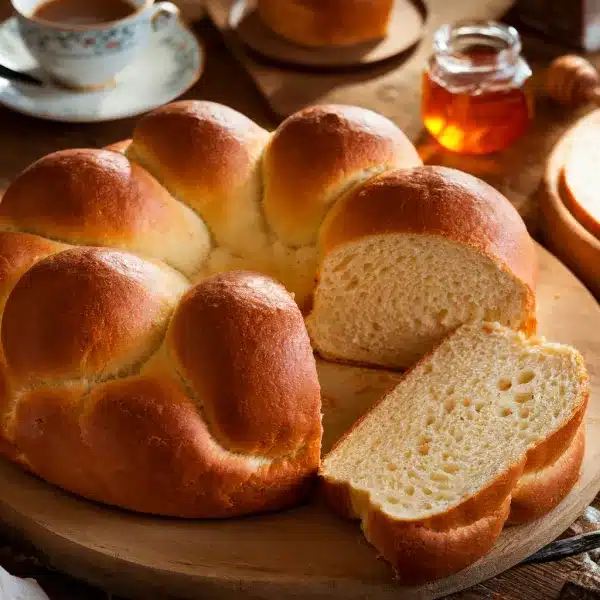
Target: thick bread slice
{"x":431,"y":469}
{"x":412,"y":254}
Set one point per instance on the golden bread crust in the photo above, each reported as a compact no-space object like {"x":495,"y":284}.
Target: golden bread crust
{"x":327,"y":22}
{"x":119,"y":410}
{"x":353,"y":143}
{"x":435,"y":201}
{"x":538,"y":492}
{"x":419,"y":554}
{"x":208,"y":156}
{"x":86,"y":312}
{"x":252,"y":367}
{"x":105,"y":200}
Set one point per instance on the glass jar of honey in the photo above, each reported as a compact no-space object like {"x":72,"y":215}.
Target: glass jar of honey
{"x":475,"y":94}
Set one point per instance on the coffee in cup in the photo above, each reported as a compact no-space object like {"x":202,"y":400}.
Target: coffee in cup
{"x":86,"y":12}
{"x":84,"y":44}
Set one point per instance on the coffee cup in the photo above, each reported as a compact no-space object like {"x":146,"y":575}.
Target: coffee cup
{"x":88,"y":56}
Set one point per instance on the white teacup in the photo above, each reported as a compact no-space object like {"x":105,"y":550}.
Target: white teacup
{"x":90,"y":56}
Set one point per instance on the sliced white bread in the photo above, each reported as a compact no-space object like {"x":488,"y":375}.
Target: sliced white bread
{"x":431,"y":469}
{"x":412,"y":254}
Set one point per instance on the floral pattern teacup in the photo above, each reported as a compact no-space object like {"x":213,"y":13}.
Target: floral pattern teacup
{"x":90,"y":56}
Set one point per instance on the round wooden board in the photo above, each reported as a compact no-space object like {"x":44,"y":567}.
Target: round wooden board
{"x":567,"y":238}
{"x":405,"y":30}
{"x":305,"y":552}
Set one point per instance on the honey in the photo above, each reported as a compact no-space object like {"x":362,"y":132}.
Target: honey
{"x":475,"y":97}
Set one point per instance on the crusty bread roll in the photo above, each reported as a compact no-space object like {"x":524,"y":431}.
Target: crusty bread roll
{"x":327,"y":22}
{"x":486,"y":428}
{"x":126,"y":385}
{"x":412,"y":254}
{"x":118,"y":310}
{"x":100,"y":198}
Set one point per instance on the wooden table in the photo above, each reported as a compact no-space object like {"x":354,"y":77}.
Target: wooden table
{"x":24,"y":140}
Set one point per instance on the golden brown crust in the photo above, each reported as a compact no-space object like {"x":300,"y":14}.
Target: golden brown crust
{"x":105,"y":200}
{"x":327,"y":22}
{"x":18,"y":253}
{"x":146,"y":441}
{"x":208,"y":156}
{"x":436,"y":201}
{"x":419,"y":554}
{"x":352,"y":143}
{"x":86,"y":312}
{"x":140,"y":444}
{"x":538,"y":492}
{"x":252,"y":368}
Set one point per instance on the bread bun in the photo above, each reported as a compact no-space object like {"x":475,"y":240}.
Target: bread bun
{"x":105,"y":200}
{"x":122,"y":390}
{"x":352,"y":145}
{"x":327,"y":22}
{"x":412,"y":254}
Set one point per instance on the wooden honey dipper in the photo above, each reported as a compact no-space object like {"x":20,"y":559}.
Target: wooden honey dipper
{"x":573,"y":80}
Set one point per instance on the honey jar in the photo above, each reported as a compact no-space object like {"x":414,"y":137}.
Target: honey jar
{"x":475,"y":94}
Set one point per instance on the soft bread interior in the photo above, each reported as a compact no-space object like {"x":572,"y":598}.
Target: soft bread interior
{"x":458,"y":421}
{"x":389,"y":299}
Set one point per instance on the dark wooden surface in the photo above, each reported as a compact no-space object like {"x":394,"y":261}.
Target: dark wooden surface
{"x":25,"y":139}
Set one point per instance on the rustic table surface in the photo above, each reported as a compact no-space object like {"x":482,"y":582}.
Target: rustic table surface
{"x":25,"y":139}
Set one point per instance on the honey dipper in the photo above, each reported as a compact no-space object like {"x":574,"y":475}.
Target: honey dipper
{"x":573,"y":80}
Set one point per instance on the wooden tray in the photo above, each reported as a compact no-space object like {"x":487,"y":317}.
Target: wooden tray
{"x":305,"y":552}
{"x":405,"y":30}
{"x":569,"y":240}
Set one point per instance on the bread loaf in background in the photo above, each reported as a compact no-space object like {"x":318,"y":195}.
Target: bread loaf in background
{"x":136,"y":371}
{"x":327,"y":22}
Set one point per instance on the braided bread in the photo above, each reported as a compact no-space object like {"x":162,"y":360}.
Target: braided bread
{"x":144,"y":361}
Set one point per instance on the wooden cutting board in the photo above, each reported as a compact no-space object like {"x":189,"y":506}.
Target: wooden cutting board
{"x":305,"y":552}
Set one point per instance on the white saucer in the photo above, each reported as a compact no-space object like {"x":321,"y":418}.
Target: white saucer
{"x":170,"y":66}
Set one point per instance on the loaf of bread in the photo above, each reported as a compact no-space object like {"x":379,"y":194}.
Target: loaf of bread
{"x":412,"y":254}
{"x":135,"y":372}
{"x":327,"y":22}
{"x":485,"y":429}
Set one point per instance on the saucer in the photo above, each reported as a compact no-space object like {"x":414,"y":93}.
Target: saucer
{"x":170,"y":65}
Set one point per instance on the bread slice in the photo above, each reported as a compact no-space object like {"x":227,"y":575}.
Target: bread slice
{"x":581,"y":178}
{"x":411,"y":255}
{"x":430,"y":470}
